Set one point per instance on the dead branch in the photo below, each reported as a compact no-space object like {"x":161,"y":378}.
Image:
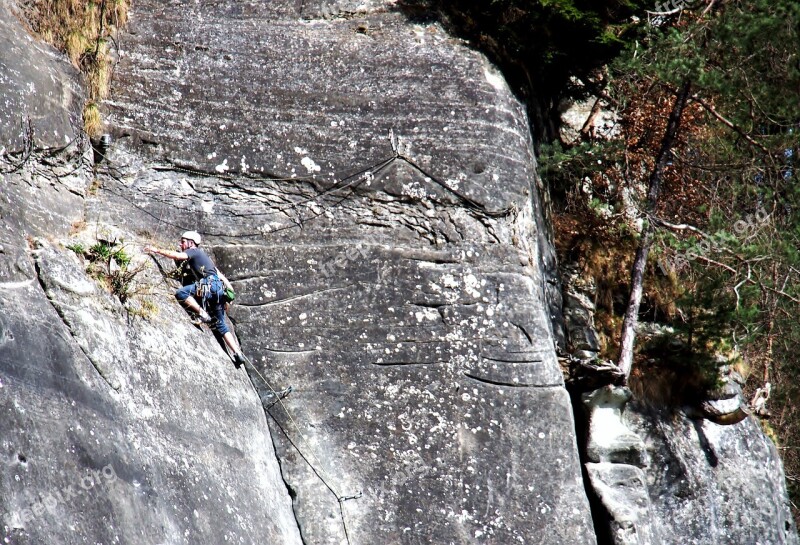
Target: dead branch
{"x":589,"y":124}
{"x":735,"y":128}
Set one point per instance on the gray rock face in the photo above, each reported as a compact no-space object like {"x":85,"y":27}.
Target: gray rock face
{"x":622,"y":491}
{"x":663,"y":478}
{"x":41,"y":93}
{"x":368,"y":184}
{"x":114,"y":429}
{"x":407,"y":306}
{"x":118,"y":429}
{"x":123,"y":429}
{"x":712,"y":484}
{"x":578,"y":309}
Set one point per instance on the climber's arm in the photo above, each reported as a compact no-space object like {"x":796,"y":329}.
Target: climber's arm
{"x":166,"y":253}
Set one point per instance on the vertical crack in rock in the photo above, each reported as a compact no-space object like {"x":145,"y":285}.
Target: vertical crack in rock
{"x":262,"y":391}
{"x":270,"y":398}
{"x":599,"y":515}
{"x":61,"y":314}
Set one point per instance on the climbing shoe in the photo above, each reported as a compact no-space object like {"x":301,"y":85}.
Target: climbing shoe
{"x":204,"y":318}
{"x":239,"y":360}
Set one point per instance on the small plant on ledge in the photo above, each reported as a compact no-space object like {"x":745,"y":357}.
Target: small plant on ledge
{"x":110,"y":264}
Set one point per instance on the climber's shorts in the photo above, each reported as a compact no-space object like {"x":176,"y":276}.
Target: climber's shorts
{"x":185,"y":292}
{"x":215,"y":309}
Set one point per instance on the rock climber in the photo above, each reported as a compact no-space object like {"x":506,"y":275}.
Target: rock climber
{"x":209,"y":286}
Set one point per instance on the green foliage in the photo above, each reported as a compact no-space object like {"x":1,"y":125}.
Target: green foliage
{"x":77,"y":247}
{"x":106,"y":251}
{"x":111,"y":264}
{"x":121,"y":282}
{"x":733,"y":173}
{"x":101,"y":250}
{"x":743,"y":54}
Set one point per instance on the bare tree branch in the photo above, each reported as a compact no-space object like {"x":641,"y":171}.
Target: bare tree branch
{"x":589,"y":124}
{"x":715,"y":263}
{"x":678,"y":226}
{"x":738,"y":130}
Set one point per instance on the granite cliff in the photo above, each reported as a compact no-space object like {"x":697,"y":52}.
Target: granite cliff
{"x":369,"y":185}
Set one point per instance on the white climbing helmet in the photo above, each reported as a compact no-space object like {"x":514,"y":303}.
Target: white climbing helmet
{"x":194,"y":236}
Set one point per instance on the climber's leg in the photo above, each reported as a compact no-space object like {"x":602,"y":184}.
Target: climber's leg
{"x":186,"y":296}
{"x":221,"y":326}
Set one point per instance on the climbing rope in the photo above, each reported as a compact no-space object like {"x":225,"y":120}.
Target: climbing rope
{"x":319,"y":470}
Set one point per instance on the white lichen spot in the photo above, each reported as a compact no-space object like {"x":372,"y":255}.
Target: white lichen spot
{"x":494,"y":79}
{"x":310,"y":165}
{"x":267,"y":292}
{"x":449,"y":281}
{"x":222,"y":167}
{"x":207,"y":206}
{"x":471,"y":285}
{"x":414,"y":190}
{"x":428,"y":313}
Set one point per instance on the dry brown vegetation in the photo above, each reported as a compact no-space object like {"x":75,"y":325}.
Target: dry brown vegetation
{"x":593,"y":230}
{"x":84,"y":31}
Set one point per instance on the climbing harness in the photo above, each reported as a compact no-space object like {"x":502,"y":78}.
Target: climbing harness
{"x":210,"y":289}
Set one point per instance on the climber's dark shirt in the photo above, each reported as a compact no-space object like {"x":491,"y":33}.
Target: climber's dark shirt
{"x":200,"y":263}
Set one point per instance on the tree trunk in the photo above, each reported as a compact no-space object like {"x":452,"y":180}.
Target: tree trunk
{"x":628,"y":336}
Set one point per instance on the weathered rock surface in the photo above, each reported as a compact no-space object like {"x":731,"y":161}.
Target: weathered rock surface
{"x":711,"y":484}
{"x":41,"y":95}
{"x":114,"y":429}
{"x":407,"y":307}
{"x":622,"y":491}
{"x":578,"y":311}
{"x":662,"y":478}
{"x":368,"y":184}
